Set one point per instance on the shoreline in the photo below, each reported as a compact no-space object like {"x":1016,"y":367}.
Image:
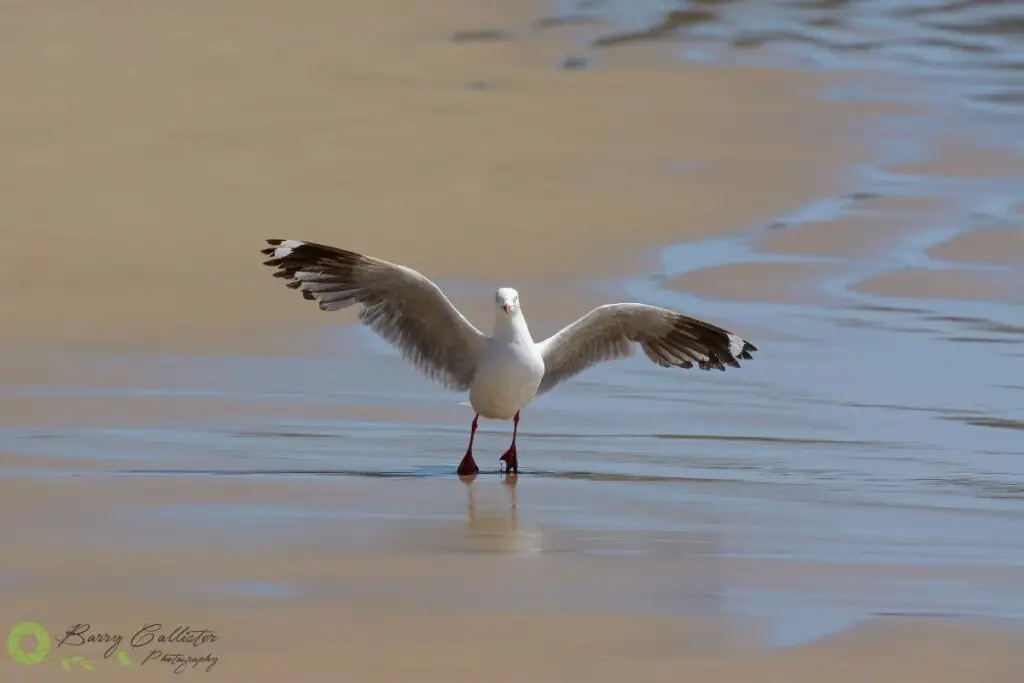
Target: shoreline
{"x":161,"y":235}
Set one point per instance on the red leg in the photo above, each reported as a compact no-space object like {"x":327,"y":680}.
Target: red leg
{"x":468,"y":465}
{"x":510,"y":460}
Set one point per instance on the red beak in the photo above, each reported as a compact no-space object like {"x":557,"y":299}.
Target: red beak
{"x":506,"y":307}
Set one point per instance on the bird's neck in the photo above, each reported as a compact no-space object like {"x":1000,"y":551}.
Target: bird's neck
{"x":511,"y":327}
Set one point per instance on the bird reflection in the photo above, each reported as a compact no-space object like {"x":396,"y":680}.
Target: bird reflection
{"x":508,"y":479}
{"x":490,"y":528}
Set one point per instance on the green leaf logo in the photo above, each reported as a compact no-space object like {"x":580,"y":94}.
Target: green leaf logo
{"x":122,"y":658}
{"x":81,"y":661}
{"x":28,"y":628}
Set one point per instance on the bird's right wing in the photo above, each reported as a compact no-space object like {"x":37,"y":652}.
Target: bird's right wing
{"x":667,"y":338}
{"x":399,"y":304}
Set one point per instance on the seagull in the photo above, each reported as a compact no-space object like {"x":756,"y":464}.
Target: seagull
{"x":504,"y":371}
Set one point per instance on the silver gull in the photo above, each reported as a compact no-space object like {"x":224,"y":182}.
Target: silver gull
{"x":504,"y":371}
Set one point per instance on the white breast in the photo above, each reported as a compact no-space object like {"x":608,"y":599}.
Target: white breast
{"x":506,"y":380}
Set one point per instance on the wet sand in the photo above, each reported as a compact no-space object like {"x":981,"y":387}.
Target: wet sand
{"x":992,"y":246}
{"x":445,"y":596}
{"x":272,"y":639}
{"x":184,"y":441}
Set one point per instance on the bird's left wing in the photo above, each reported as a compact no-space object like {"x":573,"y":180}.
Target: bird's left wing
{"x":667,"y":338}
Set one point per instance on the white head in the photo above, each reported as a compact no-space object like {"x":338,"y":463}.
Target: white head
{"x":507,"y":300}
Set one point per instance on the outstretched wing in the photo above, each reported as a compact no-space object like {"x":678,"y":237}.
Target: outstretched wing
{"x":667,"y":338}
{"x":399,"y":304}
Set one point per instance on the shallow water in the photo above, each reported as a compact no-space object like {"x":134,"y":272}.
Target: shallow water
{"x":972,"y":52}
{"x":869,"y":430}
{"x":800,"y":457}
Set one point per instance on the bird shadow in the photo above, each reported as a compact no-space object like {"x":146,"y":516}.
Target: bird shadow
{"x":409,"y":473}
{"x":429,"y":472}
